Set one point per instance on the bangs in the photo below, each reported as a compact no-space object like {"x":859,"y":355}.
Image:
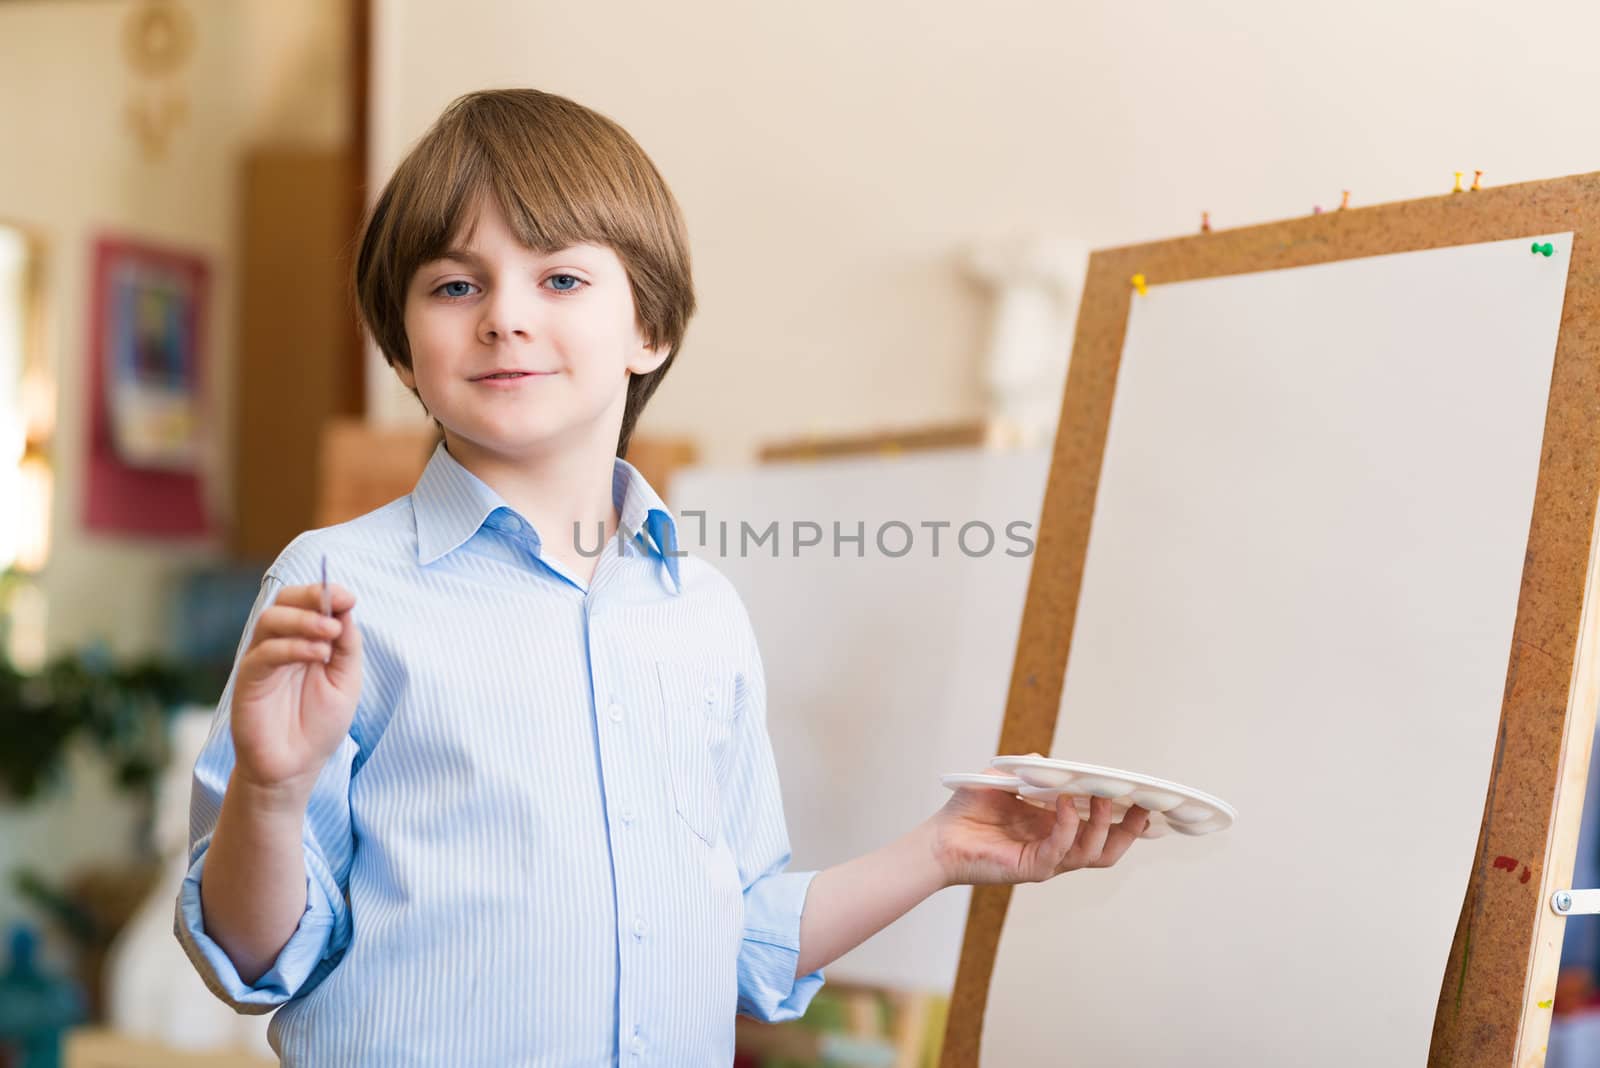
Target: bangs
{"x":555,"y":189}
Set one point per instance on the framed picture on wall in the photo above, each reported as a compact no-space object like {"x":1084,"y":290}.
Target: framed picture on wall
{"x":146,"y":391}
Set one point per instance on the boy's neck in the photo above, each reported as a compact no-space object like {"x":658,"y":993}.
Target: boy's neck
{"x":556,"y":491}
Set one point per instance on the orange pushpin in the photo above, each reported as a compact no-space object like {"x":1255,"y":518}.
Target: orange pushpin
{"x":1457,"y":189}
{"x":1205,"y":222}
{"x":1477,"y":181}
{"x":1344,"y":201}
{"x":1140,"y":284}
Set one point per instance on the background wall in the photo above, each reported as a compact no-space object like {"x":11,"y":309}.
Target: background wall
{"x":71,"y":169}
{"x":833,"y":157}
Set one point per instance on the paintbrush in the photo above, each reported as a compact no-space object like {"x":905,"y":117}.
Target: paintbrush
{"x":327,"y":601}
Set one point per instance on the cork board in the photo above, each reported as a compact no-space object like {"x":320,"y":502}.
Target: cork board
{"x":1507,"y":941}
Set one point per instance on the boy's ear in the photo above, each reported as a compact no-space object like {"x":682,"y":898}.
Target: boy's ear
{"x":407,"y":376}
{"x":646,"y":359}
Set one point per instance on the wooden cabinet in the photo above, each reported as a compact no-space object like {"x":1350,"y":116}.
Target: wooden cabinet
{"x":299,"y":351}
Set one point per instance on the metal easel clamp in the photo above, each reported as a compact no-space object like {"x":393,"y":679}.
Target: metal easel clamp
{"x":1575,"y":902}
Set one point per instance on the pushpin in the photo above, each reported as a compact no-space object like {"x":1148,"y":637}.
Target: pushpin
{"x":1477,"y":181}
{"x":1344,"y":201}
{"x":1457,"y":189}
{"x":1316,"y":209}
{"x":1205,"y":222}
{"x":1546,"y":249}
{"x":1140,"y":284}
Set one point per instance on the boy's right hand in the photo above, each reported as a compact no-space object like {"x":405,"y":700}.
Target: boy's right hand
{"x":296,"y":691}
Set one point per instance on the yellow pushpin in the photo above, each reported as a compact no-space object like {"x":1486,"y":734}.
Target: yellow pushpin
{"x":1477,"y":181}
{"x":1344,"y":201}
{"x":1457,"y":189}
{"x":1140,"y":284}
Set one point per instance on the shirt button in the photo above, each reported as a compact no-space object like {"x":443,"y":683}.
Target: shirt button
{"x":628,"y":815}
{"x":616,"y":712}
{"x":711,"y":695}
{"x":638,"y":928}
{"x":637,"y":1047}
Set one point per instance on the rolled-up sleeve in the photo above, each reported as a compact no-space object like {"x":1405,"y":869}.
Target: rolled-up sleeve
{"x":774,"y":899}
{"x":324,"y":929}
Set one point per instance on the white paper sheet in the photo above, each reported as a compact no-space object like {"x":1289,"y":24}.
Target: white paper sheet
{"x":1301,"y":582}
{"x":883,"y":673}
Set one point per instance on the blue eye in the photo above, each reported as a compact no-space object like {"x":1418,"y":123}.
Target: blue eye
{"x":568,"y":277}
{"x":450,"y":289}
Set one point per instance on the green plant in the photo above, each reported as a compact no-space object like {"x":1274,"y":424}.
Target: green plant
{"x":121,"y":709}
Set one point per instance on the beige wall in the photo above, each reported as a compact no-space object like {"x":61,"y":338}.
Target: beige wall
{"x":71,"y":169}
{"x":832,"y":156}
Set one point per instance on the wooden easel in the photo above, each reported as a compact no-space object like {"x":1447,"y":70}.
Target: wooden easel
{"x":1493,"y":1006}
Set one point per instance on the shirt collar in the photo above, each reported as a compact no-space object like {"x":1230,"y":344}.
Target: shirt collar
{"x":644,"y":517}
{"x":451,"y":504}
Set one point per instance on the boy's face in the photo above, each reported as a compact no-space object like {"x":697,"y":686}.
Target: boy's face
{"x":565,"y":320}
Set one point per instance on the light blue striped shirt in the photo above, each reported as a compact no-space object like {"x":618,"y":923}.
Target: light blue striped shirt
{"x":554,"y":834}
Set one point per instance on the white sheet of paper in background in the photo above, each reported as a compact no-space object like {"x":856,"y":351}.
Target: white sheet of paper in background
{"x":882,"y":673}
{"x":1301,"y":581}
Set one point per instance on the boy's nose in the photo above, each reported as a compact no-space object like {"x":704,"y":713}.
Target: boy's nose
{"x":500,"y":328}
{"x":504,"y":318}
{"x":492,"y":333}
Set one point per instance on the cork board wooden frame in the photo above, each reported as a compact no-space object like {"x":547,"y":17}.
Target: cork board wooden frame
{"x":1499,"y":980}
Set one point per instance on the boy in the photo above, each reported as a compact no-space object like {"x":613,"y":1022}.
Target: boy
{"x":526,"y":812}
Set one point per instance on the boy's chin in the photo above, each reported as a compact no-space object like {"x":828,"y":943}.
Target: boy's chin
{"x":510,"y":444}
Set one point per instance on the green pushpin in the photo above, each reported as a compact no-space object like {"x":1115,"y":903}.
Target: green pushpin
{"x":1546,"y":249}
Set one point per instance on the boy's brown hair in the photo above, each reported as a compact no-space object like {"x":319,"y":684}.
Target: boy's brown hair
{"x":564,"y":175}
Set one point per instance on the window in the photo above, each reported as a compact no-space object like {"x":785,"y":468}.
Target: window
{"x":27,"y":415}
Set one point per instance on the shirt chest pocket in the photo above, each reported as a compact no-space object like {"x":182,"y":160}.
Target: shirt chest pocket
{"x":699,"y":722}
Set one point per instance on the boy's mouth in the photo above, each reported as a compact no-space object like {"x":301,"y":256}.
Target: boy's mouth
{"x":501,"y":376}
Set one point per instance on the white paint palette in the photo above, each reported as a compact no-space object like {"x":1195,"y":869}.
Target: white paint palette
{"x":1040,"y":780}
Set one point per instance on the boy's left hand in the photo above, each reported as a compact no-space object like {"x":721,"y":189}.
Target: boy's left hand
{"x":990,"y":836}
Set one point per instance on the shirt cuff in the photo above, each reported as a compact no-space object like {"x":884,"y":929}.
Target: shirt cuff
{"x":305,"y":949}
{"x":770,"y":952}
